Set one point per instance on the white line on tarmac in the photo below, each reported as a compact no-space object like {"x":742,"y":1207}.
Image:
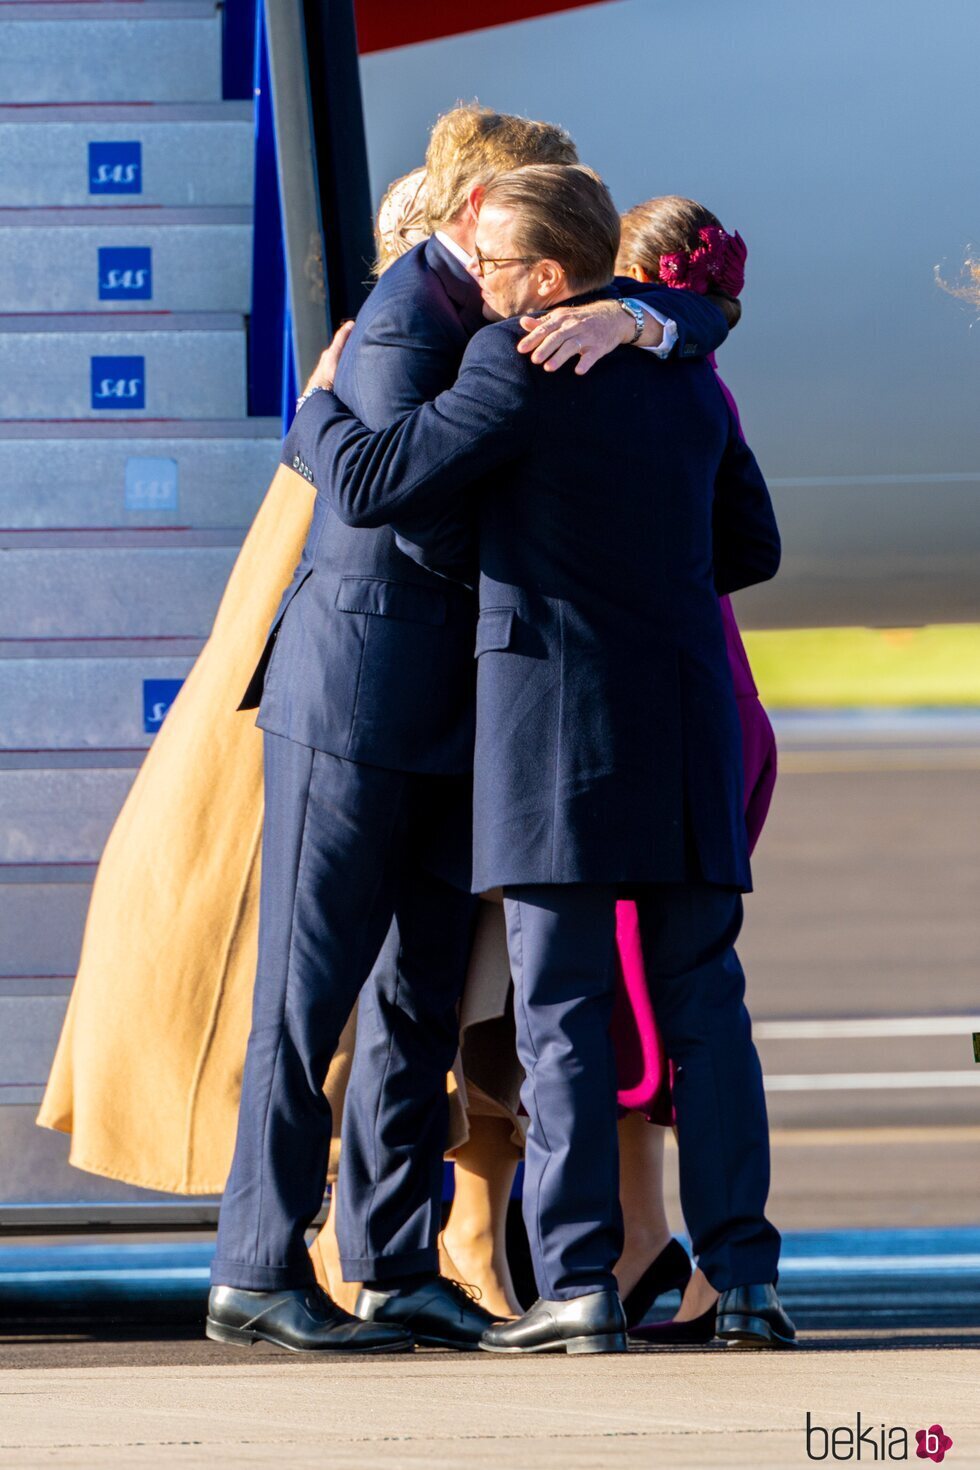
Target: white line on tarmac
{"x":860,"y":1081}
{"x":947,"y":478}
{"x":872,"y":1026}
{"x":790,"y":1263}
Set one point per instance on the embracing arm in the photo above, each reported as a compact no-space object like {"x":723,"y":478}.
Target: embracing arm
{"x":679,"y":323}
{"x":410,"y":472}
{"x":745,"y":534}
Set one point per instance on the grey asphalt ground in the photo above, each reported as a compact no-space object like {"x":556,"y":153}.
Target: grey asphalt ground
{"x":865,"y":907}
{"x":690,"y":1409}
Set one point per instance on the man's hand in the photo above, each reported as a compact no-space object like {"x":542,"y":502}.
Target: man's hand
{"x":587,"y":332}
{"x":325,"y":372}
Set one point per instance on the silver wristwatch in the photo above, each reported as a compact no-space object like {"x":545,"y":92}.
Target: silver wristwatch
{"x":633,"y":309}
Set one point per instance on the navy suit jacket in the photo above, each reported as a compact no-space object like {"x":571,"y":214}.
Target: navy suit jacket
{"x":612,"y":510}
{"x":374,"y":661}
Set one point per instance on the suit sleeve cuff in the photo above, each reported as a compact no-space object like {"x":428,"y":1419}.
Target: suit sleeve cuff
{"x":670,"y":331}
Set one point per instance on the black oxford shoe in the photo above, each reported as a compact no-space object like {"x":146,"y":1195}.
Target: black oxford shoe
{"x":438,"y":1312}
{"x":587,"y":1324}
{"x":304,"y":1321}
{"x":753,"y":1316}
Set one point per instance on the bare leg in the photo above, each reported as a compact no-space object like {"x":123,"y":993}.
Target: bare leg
{"x":641,"y":1188}
{"x":641,"y":1194}
{"x":699,"y":1296}
{"x":325,"y":1255}
{"x":473,"y":1245}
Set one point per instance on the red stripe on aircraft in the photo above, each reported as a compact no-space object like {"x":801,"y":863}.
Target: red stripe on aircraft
{"x":382,"y":24}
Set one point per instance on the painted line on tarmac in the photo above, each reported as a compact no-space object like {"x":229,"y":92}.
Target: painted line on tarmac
{"x":834,"y":1029}
{"x":957,"y":477}
{"x":863,"y":1081}
{"x":141,"y":1275}
{"x":846,"y":762}
{"x":877,"y":1137}
{"x":788,"y":1263}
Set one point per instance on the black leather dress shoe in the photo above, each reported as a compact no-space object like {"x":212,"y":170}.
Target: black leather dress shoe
{"x":438,"y":1312}
{"x":696,"y":1330}
{"x":671,"y":1271}
{"x":301,"y":1321}
{"x":587,"y":1324}
{"x":753,"y":1316}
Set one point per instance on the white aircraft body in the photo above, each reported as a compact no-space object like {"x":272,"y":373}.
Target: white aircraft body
{"x":842,"y":139}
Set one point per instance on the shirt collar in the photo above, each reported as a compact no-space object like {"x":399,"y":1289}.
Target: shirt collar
{"x":454,"y":249}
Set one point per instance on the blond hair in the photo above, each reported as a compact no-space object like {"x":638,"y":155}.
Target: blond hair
{"x":562,"y":214}
{"x":400,"y":222}
{"x":471,"y":144}
{"x":968,"y":286}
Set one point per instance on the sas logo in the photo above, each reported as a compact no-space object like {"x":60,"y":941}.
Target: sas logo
{"x":125,"y":275}
{"x":151,"y":484}
{"x":158,"y":696}
{"x":115,"y":168}
{"x":118,"y":382}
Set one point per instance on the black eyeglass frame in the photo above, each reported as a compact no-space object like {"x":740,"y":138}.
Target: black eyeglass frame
{"x":497,"y":261}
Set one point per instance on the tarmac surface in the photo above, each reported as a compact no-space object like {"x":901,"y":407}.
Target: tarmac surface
{"x":192,"y":1407}
{"x":862,"y":950}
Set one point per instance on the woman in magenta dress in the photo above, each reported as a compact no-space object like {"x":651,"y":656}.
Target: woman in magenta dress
{"x":681,"y":243}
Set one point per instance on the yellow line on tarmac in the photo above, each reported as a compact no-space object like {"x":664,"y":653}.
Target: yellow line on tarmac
{"x":965,"y":1133}
{"x":861,"y":1137}
{"x":849,"y":762}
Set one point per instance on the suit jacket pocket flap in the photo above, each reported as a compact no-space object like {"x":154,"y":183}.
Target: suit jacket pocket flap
{"x":384,"y":599}
{"x":494,"y":630}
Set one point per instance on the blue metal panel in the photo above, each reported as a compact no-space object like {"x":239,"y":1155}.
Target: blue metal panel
{"x":267,"y":323}
{"x":237,"y":47}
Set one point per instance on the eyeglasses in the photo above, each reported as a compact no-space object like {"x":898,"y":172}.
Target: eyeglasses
{"x":482,"y":261}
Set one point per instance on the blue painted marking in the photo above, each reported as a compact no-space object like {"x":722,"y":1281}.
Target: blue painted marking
{"x":158,"y":696}
{"x":119,"y":383}
{"x":151,"y":484}
{"x":125,"y":274}
{"x":115,"y":168}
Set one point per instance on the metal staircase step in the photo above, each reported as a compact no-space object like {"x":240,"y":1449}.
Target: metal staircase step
{"x":106,"y":473}
{"x":29,"y":1029}
{"x":154,"y":365}
{"x":42,"y":926}
{"x":110,"y":260}
{"x":126,"y":154}
{"x":87,"y":702}
{"x":167,"y":52}
{"x":59,"y":816}
{"x":113,"y":592}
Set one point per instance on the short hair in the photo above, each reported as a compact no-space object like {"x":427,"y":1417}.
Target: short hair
{"x":562,"y":214}
{"x":472,"y":144}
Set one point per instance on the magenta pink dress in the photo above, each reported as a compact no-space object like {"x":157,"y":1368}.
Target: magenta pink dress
{"x":641,"y":1062}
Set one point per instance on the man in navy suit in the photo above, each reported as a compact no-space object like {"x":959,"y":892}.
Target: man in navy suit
{"x":367,"y":699}
{"x":611,"y":513}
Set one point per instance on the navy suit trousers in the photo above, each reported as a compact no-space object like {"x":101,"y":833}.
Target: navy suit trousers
{"x":561,"y":940}
{"x":340,"y":858}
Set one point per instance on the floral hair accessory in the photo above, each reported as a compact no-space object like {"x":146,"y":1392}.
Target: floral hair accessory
{"x":719,"y":260}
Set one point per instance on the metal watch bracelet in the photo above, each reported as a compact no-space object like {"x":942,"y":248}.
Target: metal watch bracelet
{"x":634,"y":310}
{"x":308,"y":394}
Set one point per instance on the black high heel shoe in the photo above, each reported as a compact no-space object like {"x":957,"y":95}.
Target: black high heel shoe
{"x":664,"y":1334}
{"x":671,"y":1271}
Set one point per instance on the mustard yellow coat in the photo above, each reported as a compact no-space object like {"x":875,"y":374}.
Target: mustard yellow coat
{"x":147,"y":1074}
